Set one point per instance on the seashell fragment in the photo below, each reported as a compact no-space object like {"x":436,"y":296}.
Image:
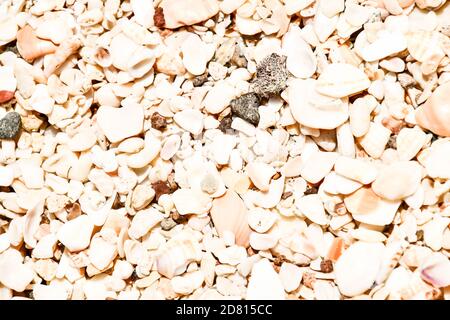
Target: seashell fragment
{"x":436,"y":158}
{"x":398,"y":180}
{"x":365,"y":206}
{"x":312,"y":207}
{"x":120,"y":123}
{"x":75,"y":234}
{"x":30,"y":46}
{"x":356,"y":169}
{"x":434,"y":114}
{"x":189,"y":12}
{"x":436,"y":271}
{"x":357,"y":268}
{"x":375,"y":140}
{"x":318,"y":165}
{"x":264,"y":283}
{"x":189,"y":201}
{"x":13,"y":273}
{"x":196,"y":54}
{"x":261,"y":220}
{"x":174,"y":257}
{"x":229,"y":213}
{"x":260,"y":174}
{"x":409,"y":142}
{"x":340,"y":80}
{"x":301,"y":61}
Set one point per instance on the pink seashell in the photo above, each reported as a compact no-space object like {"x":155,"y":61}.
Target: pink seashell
{"x":437,"y":273}
{"x":230,"y":214}
{"x":434,"y":114}
{"x":6,"y":95}
{"x":30,"y":46}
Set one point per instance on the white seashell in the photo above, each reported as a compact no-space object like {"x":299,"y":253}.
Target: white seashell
{"x":105,"y":96}
{"x":264,"y":283}
{"x":188,"y":201}
{"x":101,"y":252}
{"x":248,"y":26}
{"x":340,"y":80}
{"x":229,"y":213}
{"x":318,"y":165}
{"x":345,"y":141}
{"x":261,"y":220}
{"x":145,"y":156}
{"x":260,"y":174}
{"x":324,"y":26}
{"x":270,"y":198}
{"x":312,"y":207}
{"x":433,"y":232}
{"x":386,"y":44}
{"x":190,"y":120}
{"x":398,"y":180}
{"x":31,"y":223}
{"x":291,"y":276}
{"x":331,"y":8}
{"x":434,"y":114}
{"x":365,"y":206}
{"x":301,"y":61}
{"x":31,"y":173}
{"x":50,"y":292}
{"x":436,"y":271}
{"x":6,"y":176}
{"x":75,"y":234}
{"x":292,"y":168}
{"x":359,"y":114}
{"x":143,"y":222}
{"x":121,"y":50}
{"x":41,"y":101}
{"x":221,"y":148}
{"x":357,"y":268}
{"x":82,"y":141}
{"x":120,"y":123}
{"x":263,"y":241}
{"x":423,"y":45}
{"x":219,"y":97}
{"x":314,"y":110}
{"x":356,"y":169}
{"x":170,"y":147}
{"x":140,"y":62}
{"x":7,"y":80}
{"x":55,"y":29}
{"x":409,"y":142}
{"x":143,"y":11}
{"x":188,"y":12}
{"x":337,"y":184}
{"x":131,"y":145}
{"x":375,"y":140}
{"x":174,"y":257}
{"x":196,"y":54}
{"x":9,"y":28}
{"x":13,"y":273}
{"x":188,"y":282}
{"x":436,"y":159}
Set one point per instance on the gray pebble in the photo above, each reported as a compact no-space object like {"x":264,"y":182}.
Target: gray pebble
{"x":10,"y":125}
{"x":271,"y":76}
{"x":246,"y":107}
{"x":168,"y":224}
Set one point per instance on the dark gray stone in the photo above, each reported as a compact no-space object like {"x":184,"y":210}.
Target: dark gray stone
{"x":10,"y":125}
{"x":246,"y":107}
{"x":271,"y":76}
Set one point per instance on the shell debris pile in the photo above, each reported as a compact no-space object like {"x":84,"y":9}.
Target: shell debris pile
{"x":225,"y":149}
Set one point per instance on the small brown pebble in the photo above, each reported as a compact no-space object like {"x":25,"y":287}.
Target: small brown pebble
{"x":238,"y":58}
{"x":278,"y":261}
{"x":200,"y":80}
{"x":326,"y":266}
{"x":173,"y":186}
{"x":178,"y":218}
{"x":286,"y":195}
{"x":158,"y":121}
{"x":5,"y":96}
{"x":225,"y":123}
{"x":167,"y":224}
{"x":309,"y":279}
{"x":310,"y":190}
{"x":160,"y":188}
{"x":158,"y":18}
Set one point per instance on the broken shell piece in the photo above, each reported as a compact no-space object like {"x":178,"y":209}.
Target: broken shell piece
{"x":269,"y":199}
{"x":318,"y":165}
{"x":434,"y":114}
{"x":120,"y":123}
{"x":188,"y":282}
{"x":264,"y":283}
{"x":357,"y":267}
{"x":196,"y":54}
{"x":229,"y":213}
{"x":190,"y":120}
{"x":75,"y":234}
{"x":436,"y":271}
{"x":301,"y":61}
{"x":312,"y":109}
{"x":340,"y":80}
{"x":312,"y":207}
{"x":64,"y":50}
{"x":31,"y":223}
{"x":263,"y":241}
{"x":30,"y":46}
{"x":356,"y":169}
{"x":101,"y":252}
{"x":261,"y":220}
{"x":436,"y":158}
{"x":260,"y":174}
{"x":176,"y":255}
{"x":398,"y":180}
{"x":290,"y":276}
{"x":13,"y":273}
{"x":409,"y":142}
{"x":188,"y":12}
{"x":336,"y":184}
{"x":375,"y":141}
{"x":367,"y":207}
{"x":143,"y":222}
{"x":189,"y":201}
